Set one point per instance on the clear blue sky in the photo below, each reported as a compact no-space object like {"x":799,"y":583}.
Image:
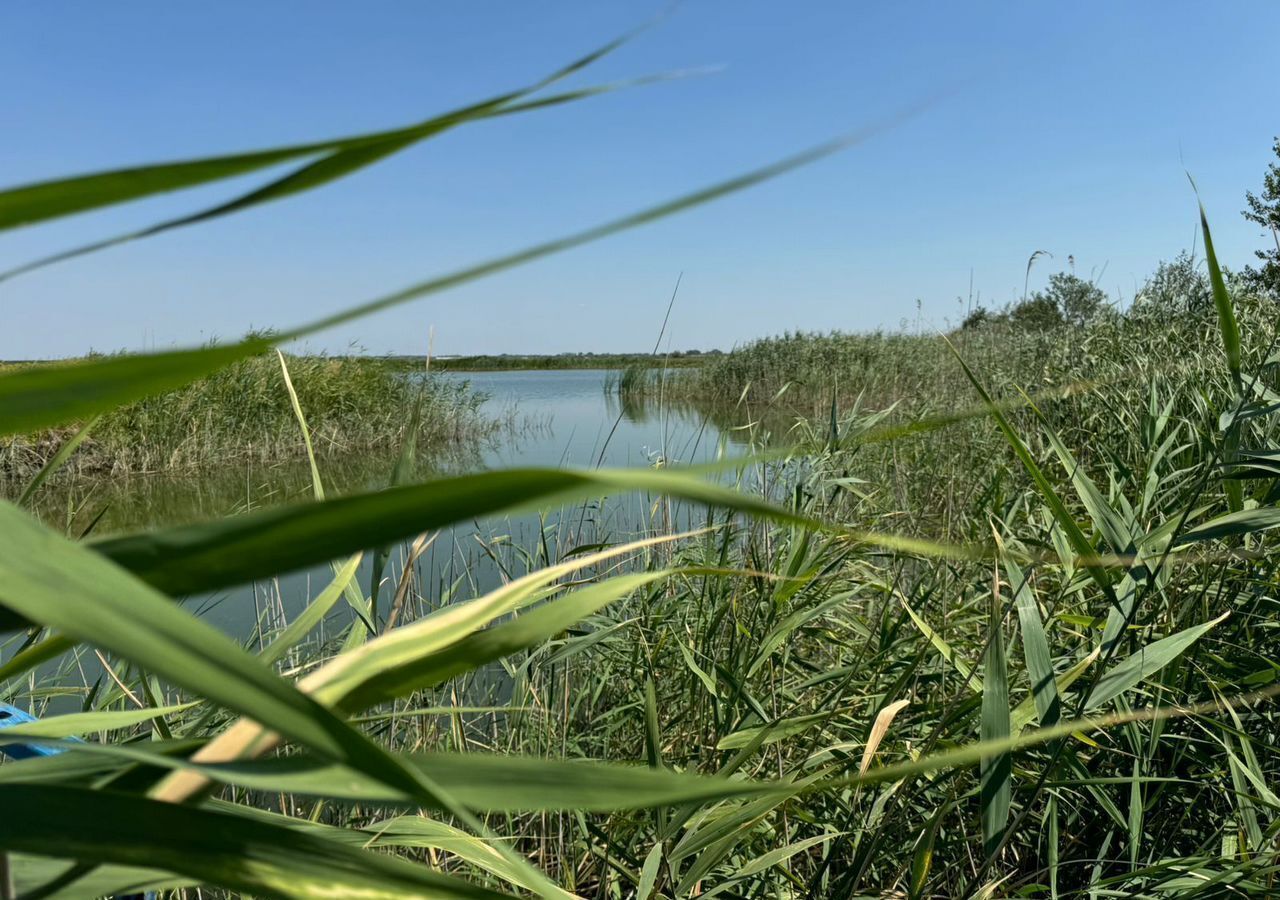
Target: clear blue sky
{"x":1067,"y":130}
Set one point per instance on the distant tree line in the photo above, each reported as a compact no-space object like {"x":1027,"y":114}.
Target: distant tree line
{"x":1179,"y":286}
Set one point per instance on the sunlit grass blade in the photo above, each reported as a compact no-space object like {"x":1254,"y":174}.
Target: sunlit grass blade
{"x":483,"y":782}
{"x":1079,"y":542}
{"x":95,"y":601}
{"x":1227,"y":323}
{"x":57,"y":460}
{"x":39,"y":396}
{"x":364,"y":686}
{"x":1145,"y":662}
{"x":72,"y":724}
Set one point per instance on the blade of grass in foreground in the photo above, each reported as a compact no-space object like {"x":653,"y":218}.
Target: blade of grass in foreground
{"x":92,"y":600}
{"x":214,"y":847}
{"x":95,"y":601}
{"x":29,"y":204}
{"x":41,"y":396}
{"x":224,"y":552}
{"x":480,"y":781}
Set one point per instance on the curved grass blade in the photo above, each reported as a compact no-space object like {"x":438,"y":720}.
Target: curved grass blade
{"x":231,"y":851}
{"x":50,"y":648}
{"x":67,"y":587}
{"x":1146,"y":662}
{"x":56,"y":879}
{"x":1227,"y":323}
{"x":73,"y":724}
{"x":56,"y":461}
{"x":212,"y":555}
{"x":375,"y":685}
{"x":401,"y":647}
{"x":1245,"y":521}
{"x":479,"y":781}
{"x":28,"y":204}
{"x":40,"y":396}
{"x":1079,"y":543}
{"x":315,"y":612}
{"x":419,"y":832}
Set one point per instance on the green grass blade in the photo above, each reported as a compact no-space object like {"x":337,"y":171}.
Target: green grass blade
{"x":996,"y":771}
{"x":1079,"y":543}
{"x":1233,"y":524}
{"x":1132,"y":670}
{"x":94,"y":601}
{"x":22,"y":662}
{"x":39,"y":396}
{"x":218,"y":848}
{"x":56,"y":461}
{"x":366,"y":685}
{"x":479,"y":781}
{"x":82,"y":723}
{"x":225,"y":552}
{"x":315,"y":612}
{"x":28,"y":204}
{"x":1227,"y":323}
{"x":1035,"y":647}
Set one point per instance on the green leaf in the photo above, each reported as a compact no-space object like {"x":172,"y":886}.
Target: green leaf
{"x":314,"y":613}
{"x":34,"y":876}
{"x":1146,"y":662}
{"x":39,"y":396}
{"x":416,"y":831}
{"x":33,"y":203}
{"x":56,"y":461}
{"x":82,"y":723}
{"x":971,"y":678}
{"x":64,"y":585}
{"x":1233,"y":524}
{"x":996,"y":771}
{"x":1221,"y":300}
{"x":234,"y":852}
{"x":225,"y":552}
{"x":45,"y":394}
{"x":1025,"y":712}
{"x":1108,"y":522}
{"x":377,"y":676}
{"x":1035,"y":647}
{"x":1079,"y":543}
{"x":649,"y":872}
{"x":777,"y":731}
{"x":495,"y":782}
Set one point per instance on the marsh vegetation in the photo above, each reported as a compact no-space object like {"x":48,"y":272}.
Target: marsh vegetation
{"x":991,"y":614}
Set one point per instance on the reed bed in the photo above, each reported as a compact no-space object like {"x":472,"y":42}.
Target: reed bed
{"x":947,"y":639}
{"x":241,"y":414}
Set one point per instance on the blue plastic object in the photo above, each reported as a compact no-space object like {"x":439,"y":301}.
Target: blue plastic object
{"x":11,"y":716}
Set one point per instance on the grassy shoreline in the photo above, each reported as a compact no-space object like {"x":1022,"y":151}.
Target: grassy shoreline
{"x":552,"y":362}
{"x":243,"y":414}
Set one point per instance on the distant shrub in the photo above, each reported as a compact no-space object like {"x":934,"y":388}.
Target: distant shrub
{"x":1177,"y":286}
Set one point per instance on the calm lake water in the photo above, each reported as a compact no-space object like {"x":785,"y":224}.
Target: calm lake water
{"x":559,"y":419}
